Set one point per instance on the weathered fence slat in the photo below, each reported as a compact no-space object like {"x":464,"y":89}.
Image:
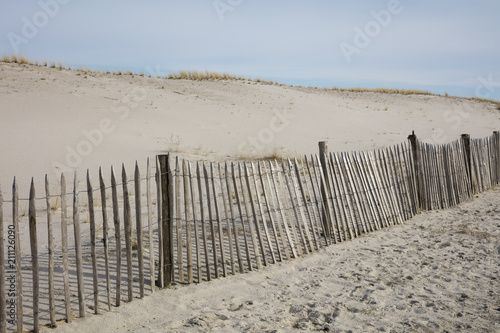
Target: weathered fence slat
{"x":253,"y":237}
{"x":166,"y":221}
{"x":95,"y":285}
{"x":178,"y":220}
{"x":203,"y":226}
{"x":158,"y":179}
{"x":227,"y":218}
{"x":320,"y":212}
{"x":331,"y":226}
{"x":50,"y":242}
{"x":116,"y":223}
{"x":105,"y":241}
{"x":222,"y":248}
{"x":78,"y":249}
{"x":138,"y":225}
{"x":195,"y":224}
{"x":242,"y":219}
{"x":269,"y":212}
{"x":285,"y":236}
{"x":211,"y":221}
{"x":262,"y":215}
{"x":233,"y":215}
{"x":302,"y":220}
{"x":296,"y":243}
{"x":127,"y":221}
{"x":187,"y":215}
{"x":296,"y":203}
{"x":255,"y":221}
{"x":342,"y":196}
{"x":64,"y":243}
{"x":149,"y":205}
{"x":35,"y":266}
{"x":233,"y":219}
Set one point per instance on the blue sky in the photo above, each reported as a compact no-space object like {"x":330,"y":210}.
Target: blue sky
{"x":443,"y":46}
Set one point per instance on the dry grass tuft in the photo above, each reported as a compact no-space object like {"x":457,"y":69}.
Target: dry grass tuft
{"x":387,"y":91}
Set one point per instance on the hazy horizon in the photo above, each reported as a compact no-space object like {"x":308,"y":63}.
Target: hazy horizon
{"x":445,"y":47}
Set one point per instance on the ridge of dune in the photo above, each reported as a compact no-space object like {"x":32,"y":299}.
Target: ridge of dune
{"x":438,"y":272}
{"x":55,"y":120}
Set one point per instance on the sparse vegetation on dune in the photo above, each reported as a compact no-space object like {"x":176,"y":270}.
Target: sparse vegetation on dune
{"x":387,"y":91}
{"x":215,"y":76}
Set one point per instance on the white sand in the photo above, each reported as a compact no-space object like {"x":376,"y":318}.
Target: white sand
{"x":439,"y":272}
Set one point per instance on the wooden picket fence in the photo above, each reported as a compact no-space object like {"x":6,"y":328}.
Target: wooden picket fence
{"x":186,"y":222}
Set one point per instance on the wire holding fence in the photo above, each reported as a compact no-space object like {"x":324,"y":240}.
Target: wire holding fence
{"x":203,"y":221}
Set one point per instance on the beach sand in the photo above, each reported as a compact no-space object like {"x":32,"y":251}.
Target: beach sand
{"x":436,"y":273}
{"x":439,"y":272}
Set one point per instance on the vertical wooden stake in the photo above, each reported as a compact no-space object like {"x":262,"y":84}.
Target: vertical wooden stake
{"x":118,"y":244}
{"x":138,"y":224}
{"x":211,"y":219}
{"x":248,"y":214}
{"x":228,"y":219}
{"x":235,"y":228}
{"x":34,"y":258}
{"x":90,"y":196}
{"x":178,"y":219}
{"x":240,"y":210}
{"x":416,"y":164}
{"x":52,"y":309}
{"x":219,"y":222}
{"x":468,"y":160}
{"x":158,"y":180}
{"x":203,"y":227}
{"x":325,"y":189}
{"x":269,"y":212}
{"x":167,"y":203}
{"x":127,"y":220}
{"x":195,"y":224}
{"x":105,"y":236}
{"x":187,"y":207}
{"x":255,"y":219}
{"x":78,"y":250}
{"x":262,"y":215}
{"x":150,"y":229}
{"x":64,"y":238}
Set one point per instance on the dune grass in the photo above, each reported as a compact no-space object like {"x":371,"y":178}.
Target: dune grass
{"x":215,"y":76}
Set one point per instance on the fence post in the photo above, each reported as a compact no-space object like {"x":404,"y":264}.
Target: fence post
{"x":416,"y":166}
{"x":167,"y":208}
{"x":325,"y":189}
{"x":496,"y":135}
{"x":468,"y":160}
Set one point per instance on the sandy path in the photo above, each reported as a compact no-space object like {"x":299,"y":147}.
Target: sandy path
{"x":437,"y":273}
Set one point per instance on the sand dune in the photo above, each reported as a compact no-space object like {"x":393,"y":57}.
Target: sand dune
{"x":437,"y":273}
{"x":50,"y":120}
